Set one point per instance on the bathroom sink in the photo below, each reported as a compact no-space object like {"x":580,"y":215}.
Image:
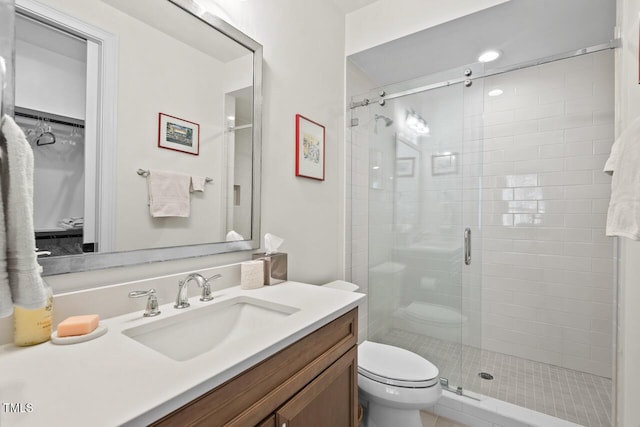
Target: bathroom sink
{"x":199,"y":330}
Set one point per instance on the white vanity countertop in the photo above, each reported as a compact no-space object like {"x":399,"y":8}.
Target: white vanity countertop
{"x":114,"y":380}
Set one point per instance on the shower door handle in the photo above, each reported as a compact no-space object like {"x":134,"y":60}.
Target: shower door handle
{"x":467,"y":246}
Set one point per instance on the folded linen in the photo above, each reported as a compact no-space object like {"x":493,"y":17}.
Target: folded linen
{"x":73,"y":223}
{"x":169,"y":194}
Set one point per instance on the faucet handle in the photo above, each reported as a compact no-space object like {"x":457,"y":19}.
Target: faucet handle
{"x":206,"y":287}
{"x":152,"y":302}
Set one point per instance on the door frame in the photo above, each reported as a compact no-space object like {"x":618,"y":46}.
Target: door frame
{"x":100,"y":119}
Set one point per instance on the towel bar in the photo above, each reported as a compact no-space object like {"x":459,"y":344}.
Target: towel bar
{"x":145,"y":173}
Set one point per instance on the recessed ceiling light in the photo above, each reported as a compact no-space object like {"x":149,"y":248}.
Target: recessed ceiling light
{"x":489,"y":55}
{"x":495,"y":92}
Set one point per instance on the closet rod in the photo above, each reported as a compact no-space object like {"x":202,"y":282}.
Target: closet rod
{"x":50,"y":117}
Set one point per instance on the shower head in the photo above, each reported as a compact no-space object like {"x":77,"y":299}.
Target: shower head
{"x":387,"y":121}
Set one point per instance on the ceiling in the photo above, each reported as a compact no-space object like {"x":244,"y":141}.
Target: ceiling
{"x":350,"y":5}
{"x":522,"y":29}
{"x":50,"y":38}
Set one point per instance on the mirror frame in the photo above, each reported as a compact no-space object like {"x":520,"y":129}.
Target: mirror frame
{"x":96,"y":261}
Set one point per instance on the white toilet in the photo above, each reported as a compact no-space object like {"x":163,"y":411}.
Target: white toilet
{"x":394,"y":385}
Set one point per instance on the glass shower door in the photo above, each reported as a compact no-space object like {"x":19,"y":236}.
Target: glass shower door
{"x":419,"y":200}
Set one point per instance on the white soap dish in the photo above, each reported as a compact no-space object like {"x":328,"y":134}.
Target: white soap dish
{"x":98,"y":332}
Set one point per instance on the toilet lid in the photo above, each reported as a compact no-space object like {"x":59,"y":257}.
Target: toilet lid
{"x":395,"y":366}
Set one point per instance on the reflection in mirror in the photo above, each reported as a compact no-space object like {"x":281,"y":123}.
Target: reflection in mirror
{"x":184,"y":109}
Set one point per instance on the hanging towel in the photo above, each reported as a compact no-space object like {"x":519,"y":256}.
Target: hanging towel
{"x":22,"y":270}
{"x":623,"y":216}
{"x":6,"y":302}
{"x":169,"y":194}
{"x":197,"y":183}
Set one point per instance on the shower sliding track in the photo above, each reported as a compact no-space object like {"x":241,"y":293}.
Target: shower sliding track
{"x":613,"y":44}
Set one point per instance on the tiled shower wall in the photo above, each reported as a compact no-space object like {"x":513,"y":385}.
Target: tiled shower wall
{"x":547,"y":287}
{"x":548,"y":280}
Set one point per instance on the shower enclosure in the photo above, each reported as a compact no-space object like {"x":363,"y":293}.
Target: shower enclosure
{"x":478,"y":207}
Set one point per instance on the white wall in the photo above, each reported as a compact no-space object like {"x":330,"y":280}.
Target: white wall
{"x":147,"y":86}
{"x":386,"y":20}
{"x":49,"y":81}
{"x":303,"y":73}
{"x":628,"y":109}
{"x":548,"y":280}
{"x":149,"y":83}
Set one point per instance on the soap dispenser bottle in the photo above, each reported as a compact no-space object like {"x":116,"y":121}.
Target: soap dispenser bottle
{"x":33,"y":326}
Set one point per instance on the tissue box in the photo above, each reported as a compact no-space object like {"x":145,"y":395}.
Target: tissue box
{"x":275,"y":267}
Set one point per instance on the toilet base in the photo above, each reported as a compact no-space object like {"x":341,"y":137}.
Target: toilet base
{"x":377,"y":415}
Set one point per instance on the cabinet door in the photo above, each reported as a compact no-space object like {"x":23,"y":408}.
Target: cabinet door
{"x":269,"y":422}
{"x":329,"y":400}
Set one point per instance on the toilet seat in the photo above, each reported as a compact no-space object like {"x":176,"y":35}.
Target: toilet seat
{"x":395,"y":366}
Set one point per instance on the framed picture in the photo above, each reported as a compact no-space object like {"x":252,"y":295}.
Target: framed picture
{"x":309,"y":148}
{"x":405,"y":166}
{"x":178,"y":134}
{"x":442,"y":164}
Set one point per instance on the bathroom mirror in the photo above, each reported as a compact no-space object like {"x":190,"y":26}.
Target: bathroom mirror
{"x":165,"y":86}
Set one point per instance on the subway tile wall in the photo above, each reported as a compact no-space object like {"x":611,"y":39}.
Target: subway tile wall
{"x":547,"y":276}
{"x":542,"y":283}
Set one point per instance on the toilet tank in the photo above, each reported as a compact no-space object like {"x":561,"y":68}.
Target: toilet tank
{"x":386,"y":283}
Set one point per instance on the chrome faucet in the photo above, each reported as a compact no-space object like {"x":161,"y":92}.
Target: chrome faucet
{"x":182,"y":300}
{"x":152,"y":302}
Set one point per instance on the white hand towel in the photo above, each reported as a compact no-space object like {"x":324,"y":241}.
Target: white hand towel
{"x":197,"y":183}
{"x":623,"y":217}
{"x":169,"y":194}
{"x":25,"y":283}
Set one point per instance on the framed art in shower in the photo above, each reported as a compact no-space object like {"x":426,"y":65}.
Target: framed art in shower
{"x":178,"y":134}
{"x":443,"y":164}
{"x":309,"y":148}
{"x":405,"y":166}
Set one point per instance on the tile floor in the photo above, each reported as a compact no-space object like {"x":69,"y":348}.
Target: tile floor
{"x":430,"y":420}
{"x":571,"y":395}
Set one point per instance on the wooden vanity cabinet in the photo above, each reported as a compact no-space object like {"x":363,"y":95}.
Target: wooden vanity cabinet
{"x":311,"y":383}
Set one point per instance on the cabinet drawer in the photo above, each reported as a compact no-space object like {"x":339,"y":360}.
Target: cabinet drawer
{"x":250,"y":397}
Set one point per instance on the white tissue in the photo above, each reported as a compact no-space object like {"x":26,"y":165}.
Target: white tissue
{"x":233,"y":236}
{"x":251,"y":274}
{"x":272,"y":243}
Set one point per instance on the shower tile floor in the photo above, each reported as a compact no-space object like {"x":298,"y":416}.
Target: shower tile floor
{"x":560,"y":392}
